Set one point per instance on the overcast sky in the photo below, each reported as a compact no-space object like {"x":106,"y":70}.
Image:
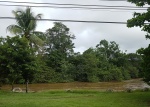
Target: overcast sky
{"x":87,"y":35}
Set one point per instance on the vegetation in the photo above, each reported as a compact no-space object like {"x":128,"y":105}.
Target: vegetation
{"x":26,"y":25}
{"x":139,"y":20}
{"x":21,"y":60}
{"x":36,"y":57}
{"x":18,"y":61}
{"x":75,"y":99}
{"x":56,"y":61}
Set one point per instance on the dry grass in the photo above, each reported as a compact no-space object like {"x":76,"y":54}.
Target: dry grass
{"x":100,"y":86}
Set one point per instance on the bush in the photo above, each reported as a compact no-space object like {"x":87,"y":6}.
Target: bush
{"x":44,"y":76}
{"x":133,"y":71}
{"x":125,"y":74}
{"x":117,"y":74}
{"x":105,"y":76}
{"x":93,"y":78}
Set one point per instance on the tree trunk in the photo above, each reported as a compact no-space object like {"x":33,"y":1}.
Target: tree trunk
{"x":12,"y":86}
{"x":27,"y":86}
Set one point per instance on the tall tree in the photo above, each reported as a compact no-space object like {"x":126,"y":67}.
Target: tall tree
{"x":3,"y":74}
{"x":145,"y":53}
{"x":85,"y":66}
{"x":139,"y":20}
{"x":59,"y":45}
{"x":108,"y":50}
{"x":146,"y":64}
{"x":26,"y":25}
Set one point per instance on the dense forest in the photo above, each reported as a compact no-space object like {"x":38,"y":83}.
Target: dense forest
{"x":43,"y":57}
{"x":55,"y":60}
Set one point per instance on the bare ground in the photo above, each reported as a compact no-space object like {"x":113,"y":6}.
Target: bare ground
{"x":101,"y":86}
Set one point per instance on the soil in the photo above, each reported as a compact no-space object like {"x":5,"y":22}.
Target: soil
{"x":133,"y":84}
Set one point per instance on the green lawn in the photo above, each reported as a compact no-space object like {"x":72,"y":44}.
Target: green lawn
{"x":75,"y":99}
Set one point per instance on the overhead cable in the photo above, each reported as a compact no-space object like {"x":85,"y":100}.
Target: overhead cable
{"x":68,"y":4}
{"x":80,"y":21}
{"x":83,"y":21}
{"x":90,"y":8}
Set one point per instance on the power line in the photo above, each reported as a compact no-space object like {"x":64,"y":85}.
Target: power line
{"x":90,"y":8}
{"x":102,"y":9}
{"x":72,"y":4}
{"x":80,"y":21}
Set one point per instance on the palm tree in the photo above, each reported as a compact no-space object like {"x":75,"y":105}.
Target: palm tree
{"x":26,"y":25}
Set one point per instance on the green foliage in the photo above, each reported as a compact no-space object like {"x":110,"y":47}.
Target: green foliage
{"x":113,"y":74}
{"x":108,"y":50}
{"x":133,"y":71}
{"x":92,"y":66}
{"x":139,"y":19}
{"x":26,"y":25}
{"x":59,"y":40}
{"x":146,"y":64}
{"x":18,"y":60}
{"x":125,"y":73}
{"x":86,"y":67}
{"x":140,"y":2}
{"x":116,"y":74}
{"x":105,"y":76}
{"x":45,"y":74}
{"x":59,"y":46}
{"x":56,"y":61}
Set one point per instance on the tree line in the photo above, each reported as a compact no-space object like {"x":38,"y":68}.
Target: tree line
{"x":57,"y":62}
{"x":40,"y":57}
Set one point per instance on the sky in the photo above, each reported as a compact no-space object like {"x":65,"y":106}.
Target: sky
{"x":87,"y":34}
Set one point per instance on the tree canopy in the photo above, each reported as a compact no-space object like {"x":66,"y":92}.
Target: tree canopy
{"x":140,"y":20}
{"x":17,"y":59}
{"x":26,"y":25}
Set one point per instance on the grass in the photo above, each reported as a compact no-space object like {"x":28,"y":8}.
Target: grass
{"x":78,"y":98}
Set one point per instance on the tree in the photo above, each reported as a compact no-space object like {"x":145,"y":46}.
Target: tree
{"x":17,"y":60}
{"x":108,"y":50}
{"x":2,"y":60}
{"x":86,"y":66}
{"x":58,"y":45}
{"x":146,"y":62}
{"x":139,"y":20}
{"x":26,"y":26}
{"x":9,"y":66}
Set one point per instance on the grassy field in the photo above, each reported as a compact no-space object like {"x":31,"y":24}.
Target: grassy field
{"x":80,"y":98}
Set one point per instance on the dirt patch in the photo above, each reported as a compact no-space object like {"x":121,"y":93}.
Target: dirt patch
{"x":136,"y":84}
{"x":101,"y":86}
